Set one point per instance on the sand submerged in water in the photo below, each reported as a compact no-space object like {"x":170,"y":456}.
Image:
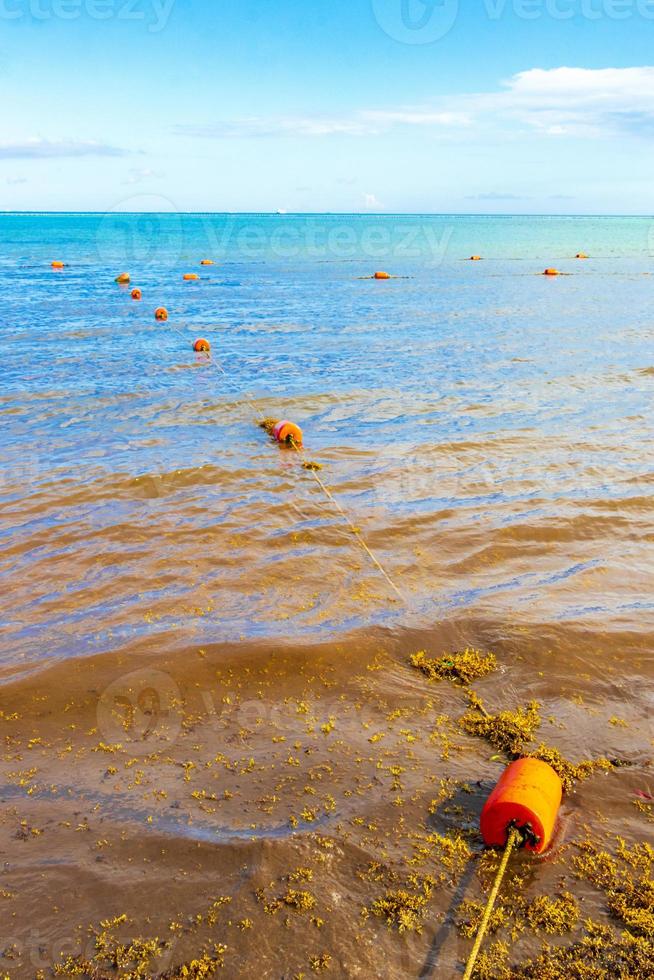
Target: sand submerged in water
{"x":311,"y":810}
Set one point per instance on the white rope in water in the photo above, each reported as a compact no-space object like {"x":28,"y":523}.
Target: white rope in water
{"x":319,"y":481}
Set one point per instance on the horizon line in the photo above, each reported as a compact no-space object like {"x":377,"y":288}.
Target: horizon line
{"x":358,"y":214}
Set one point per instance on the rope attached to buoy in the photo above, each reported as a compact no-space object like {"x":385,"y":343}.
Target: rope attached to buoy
{"x":514,"y":838}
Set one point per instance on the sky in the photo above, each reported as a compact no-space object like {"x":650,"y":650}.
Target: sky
{"x":465,"y":106}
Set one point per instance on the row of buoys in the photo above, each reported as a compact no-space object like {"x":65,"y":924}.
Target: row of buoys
{"x":523,"y":807}
{"x":477,"y":258}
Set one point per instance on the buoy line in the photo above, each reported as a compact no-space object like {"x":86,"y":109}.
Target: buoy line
{"x":522,"y":809}
{"x":294,"y":440}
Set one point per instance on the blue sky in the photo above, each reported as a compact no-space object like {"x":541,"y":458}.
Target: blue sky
{"x":532,"y":106}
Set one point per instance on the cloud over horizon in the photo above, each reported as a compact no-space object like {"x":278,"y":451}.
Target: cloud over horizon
{"x":584,"y":103}
{"x":40,"y":149}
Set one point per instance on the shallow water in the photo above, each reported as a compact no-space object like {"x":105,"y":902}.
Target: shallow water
{"x":486,"y":428}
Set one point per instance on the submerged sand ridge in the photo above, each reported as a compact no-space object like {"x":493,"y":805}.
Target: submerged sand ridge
{"x":282,"y":802}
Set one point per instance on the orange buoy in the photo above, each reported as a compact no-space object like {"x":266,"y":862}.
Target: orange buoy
{"x":136,"y":294}
{"x":475,"y":258}
{"x":287,"y":432}
{"x":581,"y":255}
{"x":206,"y":262}
{"x":551,"y":272}
{"x":57,"y":265}
{"x":188,"y":276}
{"x":527,"y":796}
{"x":161,"y":313}
{"x":201,"y":345}
{"x":123,"y":278}
{"x":381,"y":275}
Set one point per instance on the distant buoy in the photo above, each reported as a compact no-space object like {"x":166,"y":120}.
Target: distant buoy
{"x":206,"y":262}
{"x":551,"y":272}
{"x":381,"y":275}
{"x":161,"y":313}
{"x":189,"y":276}
{"x":287,"y":432}
{"x":57,"y":265}
{"x":527,"y":796}
{"x":137,"y":294}
{"x":475,"y":258}
{"x":201,"y":345}
{"x":123,"y":278}
{"x":581,"y":255}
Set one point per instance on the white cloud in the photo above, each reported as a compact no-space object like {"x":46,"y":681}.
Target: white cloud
{"x":559,"y":102}
{"x":39,"y":149}
{"x":137,"y":175}
{"x":369,"y":122}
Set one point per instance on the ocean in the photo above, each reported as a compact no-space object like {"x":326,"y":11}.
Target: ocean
{"x":182,"y":599}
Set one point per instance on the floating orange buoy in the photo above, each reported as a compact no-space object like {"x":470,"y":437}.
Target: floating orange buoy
{"x":551,"y":272}
{"x":57,"y":265}
{"x":581,"y":255}
{"x":161,"y":313}
{"x":287,"y":432}
{"x":136,"y":294}
{"x":201,"y":345}
{"x":527,"y":796}
{"x":206,"y":262}
{"x":123,"y":278}
{"x":381,"y":275}
{"x":188,"y":276}
{"x":475,"y":258}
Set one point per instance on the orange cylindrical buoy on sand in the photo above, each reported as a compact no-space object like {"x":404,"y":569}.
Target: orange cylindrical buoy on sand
{"x":137,"y":294}
{"x":123,"y":278}
{"x":527,"y":796}
{"x":287,"y":432}
{"x":161,"y":313}
{"x":189,"y":276}
{"x":551,"y":272}
{"x":381,"y":275}
{"x":201,"y":345}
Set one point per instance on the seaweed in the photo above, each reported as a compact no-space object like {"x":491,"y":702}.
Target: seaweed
{"x":400,"y":909}
{"x":464,"y":666}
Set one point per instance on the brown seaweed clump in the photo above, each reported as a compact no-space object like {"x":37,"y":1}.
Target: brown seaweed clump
{"x":469,"y":916}
{"x":555,"y":916}
{"x":568,"y":772}
{"x":626,"y":880}
{"x":599,"y":955}
{"x":268,"y":425}
{"x":401,"y":909}
{"x":509,"y":731}
{"x":465,"y":666}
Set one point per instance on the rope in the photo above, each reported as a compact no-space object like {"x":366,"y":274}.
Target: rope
{"x":512,"y":840}
{"x":354,"y":529}
{"x":325,"y":489}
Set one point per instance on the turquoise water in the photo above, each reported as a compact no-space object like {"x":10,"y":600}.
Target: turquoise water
{"x":487,"y":428}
